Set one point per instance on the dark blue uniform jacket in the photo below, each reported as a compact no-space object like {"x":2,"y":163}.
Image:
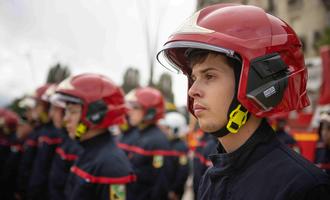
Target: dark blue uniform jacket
{"x":30,"y":147}
{"x":66,"y":154}
{"x":150,"y":160}
{"x":201,"y":160}
{"x":180,"y":166}
{"x":101,"y":172}
{"x":49,"y":138}
{"x":8,"y":176}
{"x":263,"y":168}
{"x":129,"y":137}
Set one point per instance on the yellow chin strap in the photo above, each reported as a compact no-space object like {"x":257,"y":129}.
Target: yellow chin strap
{"x":44,"y":117}
{"x":124,"y":127}
{"x":81,"y":130}
{"x":237,"y":119}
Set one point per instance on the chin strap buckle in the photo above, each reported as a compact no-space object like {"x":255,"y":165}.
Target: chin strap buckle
{"x":81,"y":130}
{"x":237,"y":119}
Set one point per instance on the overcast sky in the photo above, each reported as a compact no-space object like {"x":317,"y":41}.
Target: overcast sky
{"x":103,"y":36}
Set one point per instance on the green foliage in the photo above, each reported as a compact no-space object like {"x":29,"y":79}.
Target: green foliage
{"x":325,"y":38}
{"x":14,"y":106}
{"x":58,"y":73}
{"x":131,"y":79}
{"x":165,"y":86}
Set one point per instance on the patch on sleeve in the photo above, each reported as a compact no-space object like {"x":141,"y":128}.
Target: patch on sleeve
{"x":117,"y":192}
{"x":158,"y":161}
{"x":183,"y":160}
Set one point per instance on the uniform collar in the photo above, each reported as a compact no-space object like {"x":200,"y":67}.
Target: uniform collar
{"x":227,"y":163}
{"x":97,"y":140}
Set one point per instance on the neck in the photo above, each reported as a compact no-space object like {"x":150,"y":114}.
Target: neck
{"x":144,"y":125}
{"x":91,"y":133}
{"x":233,"y":141}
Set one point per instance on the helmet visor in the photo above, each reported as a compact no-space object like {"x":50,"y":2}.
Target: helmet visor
{"x":174,"y":55}
{"x":61,"y":100}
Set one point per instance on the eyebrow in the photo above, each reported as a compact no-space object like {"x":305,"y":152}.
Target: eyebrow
{"x":204,"y":70}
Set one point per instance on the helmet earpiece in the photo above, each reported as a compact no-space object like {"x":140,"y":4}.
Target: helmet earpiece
{"x":267,"y":81}
{"x":150,"y":114}
{"x":96,"y":111}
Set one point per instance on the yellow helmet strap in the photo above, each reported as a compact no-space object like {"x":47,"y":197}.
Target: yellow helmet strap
{"x":236,"y":119}
{"x":81,"y":130}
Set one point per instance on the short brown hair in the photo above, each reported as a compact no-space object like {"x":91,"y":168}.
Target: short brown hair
{"x":197,"y":56}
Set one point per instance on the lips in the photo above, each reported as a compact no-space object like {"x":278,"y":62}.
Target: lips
{"x":198,"y":109}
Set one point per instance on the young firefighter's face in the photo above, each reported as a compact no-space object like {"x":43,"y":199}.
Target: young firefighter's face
{"x":56,"y":114}
{"x":212,"y":91}
{"x":135,"y":114}
{"x":72,"y":118}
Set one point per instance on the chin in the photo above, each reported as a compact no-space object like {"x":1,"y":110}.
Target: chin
{"x":208,"y":126}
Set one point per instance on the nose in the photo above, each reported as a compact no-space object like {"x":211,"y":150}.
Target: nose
{"x":195,"y":90}
{"x":66,"y":116}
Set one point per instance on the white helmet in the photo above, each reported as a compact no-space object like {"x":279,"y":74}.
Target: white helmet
{"x":176,"y":122}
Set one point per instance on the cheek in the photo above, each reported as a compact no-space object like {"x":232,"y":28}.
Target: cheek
{"x":138,"y":116}
{"x":221,"y":97}
{"x":73,"y":120}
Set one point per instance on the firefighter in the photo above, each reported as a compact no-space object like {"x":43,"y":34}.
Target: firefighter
{"x":48,"y":139}
{"x":322,"y":157}
{"x":8,"y":123}
{"x":244,"y":65}
{"x":150,"y":153}
{"x":39,"y":121}
{"x":66,"y":154}
{"x":175,"y":127}
{"x":282,"y":134}
{"x":128,"y":135}
{"x":93,"y":103}
{"x":10,"y":151}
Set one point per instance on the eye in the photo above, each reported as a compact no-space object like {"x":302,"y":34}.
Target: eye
{"x":209,"y":76}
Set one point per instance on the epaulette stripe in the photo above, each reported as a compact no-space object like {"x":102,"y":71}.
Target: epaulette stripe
{"x":65,"y":156}
{"x":139,"y":150}
{"x":101,"y":179}
{"x":203,"y":160}
{"x":49,"y":140}
{"x":31,"y":143}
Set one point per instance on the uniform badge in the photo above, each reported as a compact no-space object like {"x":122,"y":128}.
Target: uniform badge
{"x":183,"y":160}
{"x":117,"y":192}
{"x":158,"y":161}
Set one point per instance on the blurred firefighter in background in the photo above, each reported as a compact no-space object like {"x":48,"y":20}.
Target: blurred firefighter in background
{"x":175,"y":127}
{"x":322,"y":157}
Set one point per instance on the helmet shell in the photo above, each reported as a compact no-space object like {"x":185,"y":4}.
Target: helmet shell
{"x":267,"y":47}
{"x":101,"y":99}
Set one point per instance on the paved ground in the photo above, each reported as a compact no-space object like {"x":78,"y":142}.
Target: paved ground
{"x":188,"y":195}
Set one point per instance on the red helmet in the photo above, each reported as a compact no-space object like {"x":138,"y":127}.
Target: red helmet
{"x":39,"y":94}
{"x":8,"y":120}
{"x":273,"y":76}
{"x":151,"y":100}
{"x":101,"y":99}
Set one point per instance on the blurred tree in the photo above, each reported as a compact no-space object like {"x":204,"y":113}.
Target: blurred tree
{"x":165,"y":86}
{"x":325,"y":38}
{"x":151,"y":22}
{"x":14,"y":106}
{"x":58,"y":73}
{"x":131,"y":79}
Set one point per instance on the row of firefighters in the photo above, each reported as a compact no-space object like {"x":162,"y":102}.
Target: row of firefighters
{"x":83,"y":139}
